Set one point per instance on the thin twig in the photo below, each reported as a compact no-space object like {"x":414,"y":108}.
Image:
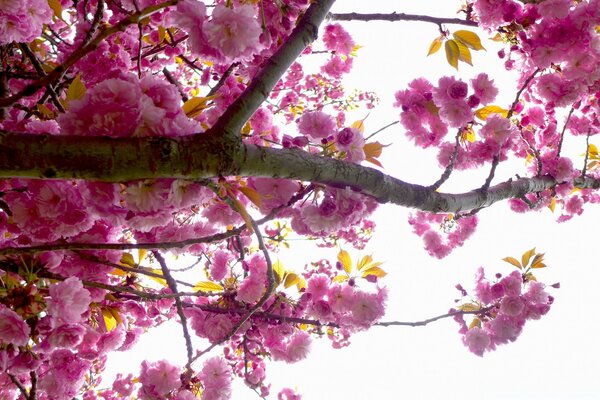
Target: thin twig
{"x":562,"y":133}
{"x":40,"y":71}
{"x":18,"y":384}
{"x":393,"y":17}
{"x":510,"y":113}
{"x":226,"y":74}
{"x":173,"y":286}
{"x":381,"y":129}
{"x":587,"y":153}
{"x":450,"y":167}
{"x":430,"y":320}
{"x":174,"y":82}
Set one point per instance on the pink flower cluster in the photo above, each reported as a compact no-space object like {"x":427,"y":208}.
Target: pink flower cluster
{"x":505,"y":306}
{"x":127,"y":106}
{"x":232,"y":34}
{"x":428,"y":111}
{"x":22,"y":20}
{"x":442,"y":233}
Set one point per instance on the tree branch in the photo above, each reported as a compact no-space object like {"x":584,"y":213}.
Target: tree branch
{"x":236,"y":115}
{"x":393,"y":17}
{"x":173,"y":286}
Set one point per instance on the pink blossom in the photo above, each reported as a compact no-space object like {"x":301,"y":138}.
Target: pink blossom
{"x":367,"y":308}
{"x":316,"y":124}
{"x":504,"y":329}
{"x":234,"y":32}
{"x":216,"y":379}
{"x":68,"y":300}
{"x":484,"y":88}
{"x":477,"y":340}
{"x":274,"y":192}
{"x":336,"y":67}
{"x":22,"y":20}
{"x":67,"y":335}
{"x":288,"y":394}
{"x":337,"y":39}
{"x":564,"y":170}
{"x":111,"y":108}
{"x":512,"y":306}
{"x":298,"y":347}
{"x":158,"y":379}
{"x":219,"y":266}
{"x":251,"y":289}
{"x":13,"y":330}
{"x":318,"y":284}
{"x":512,"y":283}
{"x":497,"y":128}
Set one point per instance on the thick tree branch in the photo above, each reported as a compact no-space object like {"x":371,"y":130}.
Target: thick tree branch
{"x":201,"y":156}
{"x":236,"y":115}
{"x":393,"y":17}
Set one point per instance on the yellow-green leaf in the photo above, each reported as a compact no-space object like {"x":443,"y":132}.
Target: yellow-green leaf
{"x":475,"y":323}
{"x":464,"y":54}
{"x":142,"y":253}
{"x":76,"y":89}
{"x":195,"y":105}
{"x":279,"y":272}
{"x":469,"y":39}
{"x":552,"y":204}
{"x":366,"y":260}
{"x":290,"y":280}
{"x":373,"y":149}
{"x":45,"y":111}
{"x":378,"y":272}
{"x":161,"y":281}
{"x":56,"y":8}
{"x":252,"y":195}
{"x":513,"y":261}
{"x":538,"y":261}
{"x":241,"y":209}
{"x":526,"y":257}
{"x":346,"y":261}
{"x":340,"y":278}
{"x":435,"y":45}
{"x":484,"y":112}
{"x":468,"y":135}
{"x":360,"y":124}
{"x":469,"y":307}
{"x":127,"y":259}
{"x":208,"y":286}
{"x":452,"y":52}
{"x":109,"y":320}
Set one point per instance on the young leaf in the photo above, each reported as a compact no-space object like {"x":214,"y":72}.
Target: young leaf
{"x":464,"y":54}
{"x":110,"y":322}
{"x":484,"y":112}
{"x":435,"y":45}
{"x":279,"y":271}
{"x":538,"y":261}
{"x":290,"y":280}
{"x":161,"y":281}
{"x":340,"y":278}
{"x":195,"y":105}
{"x":469,"y":307}
{"x":76,"y":89}
{"x":360,"y":124}
{"x":373,"y":149}
{"x":378,"y":272}
{"x":475,"y":323}
{"x":208,"y":286}
{"x":526,"y":257}
{"x":513,"y":261}
{"x":127,"y":259}
{"x":365,"y":261}
{"x":346,"y":261}
{"x":252,"y":195}
{"x":552,"y":204}
{"x":469,"y":39}
{"x":56,"y":8}
{"x":452,"y":52}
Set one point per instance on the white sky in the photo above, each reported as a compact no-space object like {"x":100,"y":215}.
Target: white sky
{"x":556,"y":357}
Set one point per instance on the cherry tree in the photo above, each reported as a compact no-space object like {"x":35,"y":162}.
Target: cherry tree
{"x":155,"y":156}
